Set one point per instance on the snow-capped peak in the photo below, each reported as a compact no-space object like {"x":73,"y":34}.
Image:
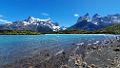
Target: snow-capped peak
{"x":41,"y":22}
{"x":34,"y":24}
{"x":33,"y":19}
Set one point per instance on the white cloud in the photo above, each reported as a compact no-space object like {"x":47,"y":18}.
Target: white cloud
{"x":76,"y":15}
{"x":4,"y":21}
{"x":45,"y":14}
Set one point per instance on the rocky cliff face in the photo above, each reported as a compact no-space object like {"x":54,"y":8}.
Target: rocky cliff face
{"x":96,"y":22}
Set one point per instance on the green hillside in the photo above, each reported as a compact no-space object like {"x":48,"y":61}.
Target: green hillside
{"x":18,"y":32}
{"x":115,"y":29}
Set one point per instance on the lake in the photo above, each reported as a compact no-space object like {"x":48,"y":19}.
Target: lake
{"x":15,"y":47}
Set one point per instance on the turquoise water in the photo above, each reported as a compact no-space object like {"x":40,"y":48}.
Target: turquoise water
{"x":14,"y":47}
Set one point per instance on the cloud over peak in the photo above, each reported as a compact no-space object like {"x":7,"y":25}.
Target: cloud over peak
{"x":76,"y":15}
{"x":45,"y":14}
{"x":2,"y":21}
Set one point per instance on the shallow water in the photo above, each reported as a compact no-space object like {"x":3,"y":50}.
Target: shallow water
{"x":14,"y":47}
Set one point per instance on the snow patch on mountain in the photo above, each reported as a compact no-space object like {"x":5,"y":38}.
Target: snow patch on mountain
{"x":35,"y":24}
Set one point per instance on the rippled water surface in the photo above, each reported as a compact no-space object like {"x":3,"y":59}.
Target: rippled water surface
{"x":14,"y":47}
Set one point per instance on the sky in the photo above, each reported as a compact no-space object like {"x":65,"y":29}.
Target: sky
{"x":65,"y":12}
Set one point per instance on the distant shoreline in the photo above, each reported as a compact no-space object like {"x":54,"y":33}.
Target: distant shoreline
{"x":29,"y":32}
{"x":60,"y":34}
{"x":57,"y":34}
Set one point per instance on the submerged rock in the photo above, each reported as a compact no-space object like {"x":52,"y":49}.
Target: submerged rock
{"x":81,"y":56}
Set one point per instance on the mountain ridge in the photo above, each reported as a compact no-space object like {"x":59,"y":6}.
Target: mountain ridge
{"x":34,"y":24}
{"x":95,"y":22}
{"x":87,"y":23}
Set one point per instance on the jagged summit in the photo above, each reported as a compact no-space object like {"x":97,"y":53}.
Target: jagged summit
{"x":33,"y":19}
{"x":96,"y":15}
{"x":34,"y":24}
{"x":86,"y":17}
{"x":87,"y":14}
{"x":96,"y":21}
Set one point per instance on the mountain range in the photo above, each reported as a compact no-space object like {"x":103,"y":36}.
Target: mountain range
{"x":34,"y":24}
{"x":96,"y":22}
{"x":85,"y":22}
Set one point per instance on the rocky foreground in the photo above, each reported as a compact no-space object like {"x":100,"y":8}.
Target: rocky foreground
{"x":76,"y":56}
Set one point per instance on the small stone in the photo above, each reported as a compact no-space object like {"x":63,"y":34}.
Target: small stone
{"x":94,"y":47}
{"x":30,"y":66}
{"x":93,"y":65}
{"x":77,"y":62}
{"x":112,"y":63}
{"x":63,"y":53}
{"x":89,"y":67}
{"x":84,"y":64}
{"x":64,"y":66}
{"x":108,"y":59}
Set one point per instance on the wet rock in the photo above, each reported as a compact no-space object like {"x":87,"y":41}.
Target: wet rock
{"x":94,"y":47}
{"x":84,"y":65}
{"x":96,"y":43}
{"x":93,"y":65}
{"x":105,"y":42}
{"x":89,"y":44}
{"x":79,"y":44}
{"x":112,"y":63}
{"x":118,"y":45}
{"x":85,"y":56}
{"x":118,"y":38}
{"x":77,"y":62}
{"x":31,"y":67}
{"x":47,"y":54}
{"x":89,"y":67}
{"x":63,"y":53}
{"x":64,"y":66}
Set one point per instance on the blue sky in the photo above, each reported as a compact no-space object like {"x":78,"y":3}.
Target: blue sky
{"x":65,"y":12}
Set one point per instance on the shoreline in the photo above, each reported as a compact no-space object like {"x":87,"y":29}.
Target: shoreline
{"x":75,"y":56}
